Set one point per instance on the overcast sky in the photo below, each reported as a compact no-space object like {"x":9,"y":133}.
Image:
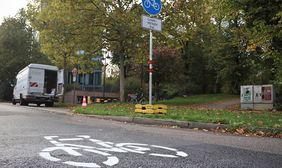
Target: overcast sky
{"x":10,"y":7}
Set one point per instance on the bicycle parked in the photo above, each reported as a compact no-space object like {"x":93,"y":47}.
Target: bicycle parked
{"x":136,"y":98}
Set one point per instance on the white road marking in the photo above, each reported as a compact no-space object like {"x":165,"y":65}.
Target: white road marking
{"x":112,"y":150}
{"x":95,"y":140}
{"x":84,"y":136}
{"x":69,"y":150}
{"x":111,"y":161}
{"x":50,"y":137}
{"x":106,"y":147}
{"x":163,"y":155}
{"x":54,"y":142}
{"x":162,"y":147}
{"x":71,"y":139}
{"x":182,"y":154}
{"x":98,"y":152}
{"x":82,"y":164}
{"x":79,"y":146}
{"x":135,"y":147}
{"x":105,"y":144}
{"x":47,"y":156}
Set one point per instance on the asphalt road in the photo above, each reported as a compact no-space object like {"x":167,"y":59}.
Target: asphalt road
{"x":33,"y":137}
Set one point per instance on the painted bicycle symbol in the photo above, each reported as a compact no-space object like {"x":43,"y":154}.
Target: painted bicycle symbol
{"x":149,"y":3}
{"x":100,"y":148}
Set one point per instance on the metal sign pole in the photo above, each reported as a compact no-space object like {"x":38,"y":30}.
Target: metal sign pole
{"x":74,"y":75}
{"x":151,"y":67}
{"x":152,"y":8}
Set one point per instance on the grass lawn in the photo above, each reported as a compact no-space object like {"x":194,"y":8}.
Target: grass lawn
{"x":179,"y":109}
{"x":198,"y":99}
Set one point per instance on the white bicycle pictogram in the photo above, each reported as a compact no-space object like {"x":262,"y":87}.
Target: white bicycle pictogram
{"x":104,"y":149}
{"x":149,"y":3}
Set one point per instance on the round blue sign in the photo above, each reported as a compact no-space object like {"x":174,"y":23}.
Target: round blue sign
{"x":152,"y":7}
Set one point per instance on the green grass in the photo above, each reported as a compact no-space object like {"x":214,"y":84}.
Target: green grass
{"x":114,"y":109}
{"x":235,"y":119}
{"x":180,"y":109}
{"x":198,"y":99}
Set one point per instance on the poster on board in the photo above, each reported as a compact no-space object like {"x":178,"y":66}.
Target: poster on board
{"x":267,"y":93}
{"x":247,"y":94}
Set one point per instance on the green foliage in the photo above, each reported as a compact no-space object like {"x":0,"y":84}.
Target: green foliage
{"x":259,"y":23}
{"x":112,"y":84}
{"x":18,"y":48}
{"x":69,"y":26}
{"x":167,"y":68}
{"x":278,"y":96}
{"x":196,"y":75}
{"x":170,"y":90}
{"x":133,"y":86}
{"x":217,"y":45}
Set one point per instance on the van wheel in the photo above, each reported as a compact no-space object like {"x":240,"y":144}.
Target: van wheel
{"x":49,"y":104}
{"x":22,"y":102}
{"x":14,"y":102}
{"x":38,"y":104}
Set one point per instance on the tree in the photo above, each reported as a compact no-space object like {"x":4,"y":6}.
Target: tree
{"x":89,"y":25}
{"x":189,"y":30}
{"x":18,"y":48}
{"x":262,"y":31}
{"x":167,"y":68}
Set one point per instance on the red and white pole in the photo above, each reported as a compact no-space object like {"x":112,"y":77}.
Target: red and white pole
{"x":151,"y":67}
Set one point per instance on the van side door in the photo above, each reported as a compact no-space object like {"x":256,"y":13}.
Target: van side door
{"x":60,"y":82}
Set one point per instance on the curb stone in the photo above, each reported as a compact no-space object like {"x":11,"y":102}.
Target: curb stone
{"x":149,"y":121}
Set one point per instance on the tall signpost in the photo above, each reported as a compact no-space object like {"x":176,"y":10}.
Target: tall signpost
{"x":152,"y":7}
{"x":74,"y":74}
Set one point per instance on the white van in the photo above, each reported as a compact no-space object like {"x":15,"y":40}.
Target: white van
{"x":39,"y":84}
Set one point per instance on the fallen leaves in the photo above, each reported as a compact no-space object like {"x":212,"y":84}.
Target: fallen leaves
{"x":240,"y":131}
{"x":277,"y":126}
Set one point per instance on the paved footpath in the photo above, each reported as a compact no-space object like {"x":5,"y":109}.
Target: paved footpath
{"x":224,"y":105}
{"x":36,"y":137}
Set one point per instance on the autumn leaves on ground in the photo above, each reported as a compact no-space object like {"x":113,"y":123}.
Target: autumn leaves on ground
{"x":215,"y":108}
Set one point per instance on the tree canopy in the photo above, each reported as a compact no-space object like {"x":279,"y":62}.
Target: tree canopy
{"x":221,"y":44}
{"x":18,"y":48}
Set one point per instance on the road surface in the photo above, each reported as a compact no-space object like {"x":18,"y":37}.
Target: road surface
{"x":33,"y":137}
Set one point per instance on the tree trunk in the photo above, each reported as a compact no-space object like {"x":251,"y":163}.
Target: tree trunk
{"x":141,"y":77}
{"x":65,"y":74}
{"x":121,"y":78}
{"x":157,"y":91}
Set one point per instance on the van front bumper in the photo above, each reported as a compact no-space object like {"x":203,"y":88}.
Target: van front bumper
{"x":41,"y":99}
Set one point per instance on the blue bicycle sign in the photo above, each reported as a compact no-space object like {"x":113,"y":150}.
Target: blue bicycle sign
{"x":152,"y":7}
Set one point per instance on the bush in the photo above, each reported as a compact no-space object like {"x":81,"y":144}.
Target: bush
{"x":133,"y":86}
{"x":112,"y":84}
{"x":169,"y":91}
{"x":69,"y":87}
{"x":278,"y":97}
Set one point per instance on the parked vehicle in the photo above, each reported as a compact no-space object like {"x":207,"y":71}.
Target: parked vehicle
{"x":39,"y":84}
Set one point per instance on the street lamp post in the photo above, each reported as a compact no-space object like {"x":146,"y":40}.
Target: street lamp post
{"x":104,"y":75}
{"x":74,"y":74}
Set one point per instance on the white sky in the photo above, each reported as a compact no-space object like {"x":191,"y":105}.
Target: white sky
{"x":10,"y":7}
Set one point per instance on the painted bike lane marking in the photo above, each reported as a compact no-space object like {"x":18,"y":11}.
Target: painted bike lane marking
{"x":106,"y":149}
